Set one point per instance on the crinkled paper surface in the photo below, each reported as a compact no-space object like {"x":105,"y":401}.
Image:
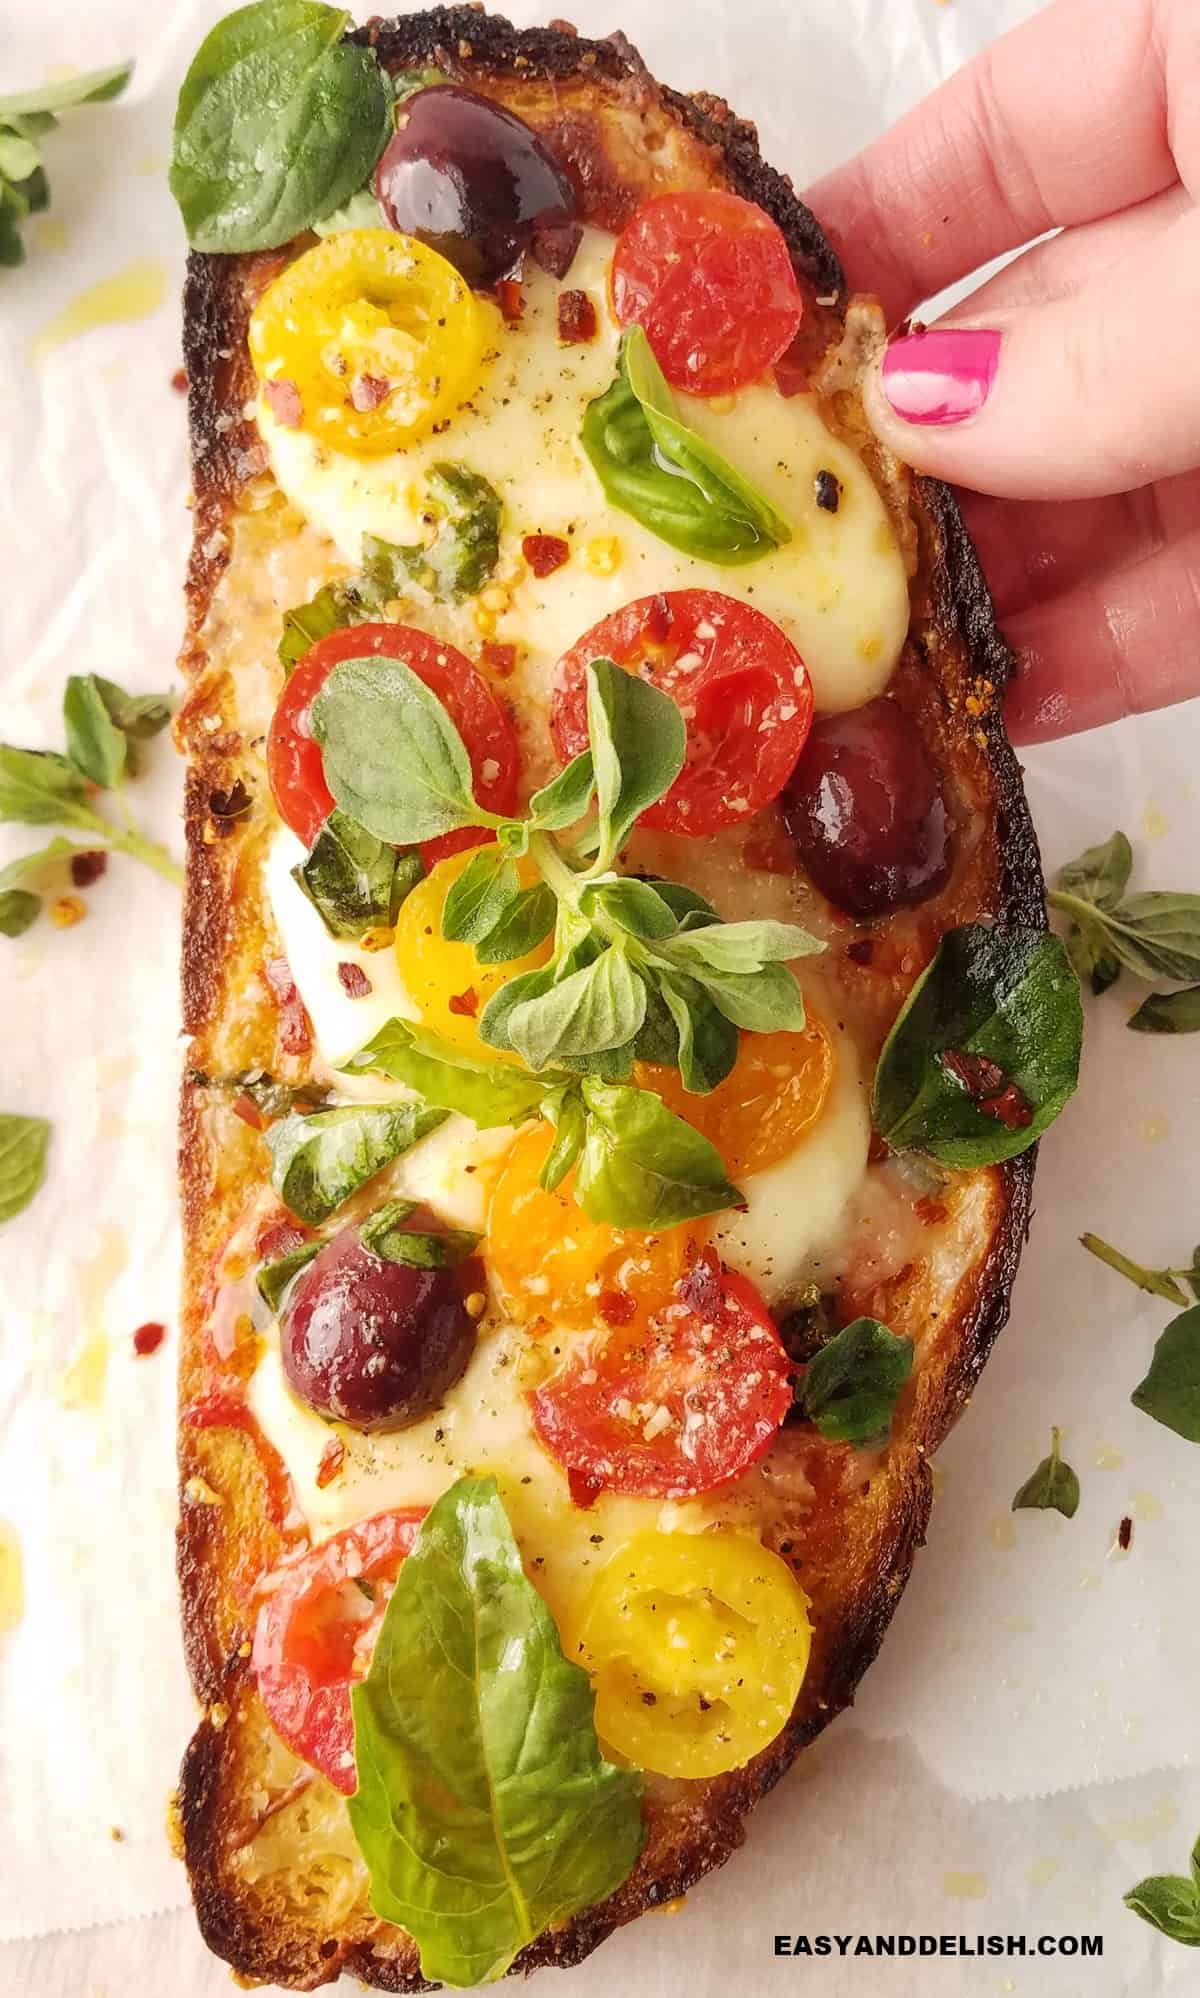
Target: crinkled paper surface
{"x":1024,"y":1749}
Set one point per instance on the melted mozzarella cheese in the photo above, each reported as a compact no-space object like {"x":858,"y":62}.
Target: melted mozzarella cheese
{"x":838,"y":588}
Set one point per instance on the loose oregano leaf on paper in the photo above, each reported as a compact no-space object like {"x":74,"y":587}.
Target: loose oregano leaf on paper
{"x":1170,"y":1902}
{"x":484,"y":1809}
{"x":318,"y":1161}
{"x":851,"y":1385}
{"x":1169,"y":1013}
{"x":1153,"y":935}
{"x":1170,"y":1392}
{"x":25,"y":118}
{"x":24,"y":1143}
{"x":984,"y":1053}
{"x":1052,"y":1487}
{"x":1158,"y":1283}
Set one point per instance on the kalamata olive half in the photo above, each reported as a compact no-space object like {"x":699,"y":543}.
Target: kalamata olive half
{"x":372,"y":1342}
{"x":471,"y":180}
{"x":866,"y":811}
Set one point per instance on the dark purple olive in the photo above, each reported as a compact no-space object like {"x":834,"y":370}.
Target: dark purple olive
{"x":866,"y":811}
{"x":472,"y":181}
{"x":376,"y":1343}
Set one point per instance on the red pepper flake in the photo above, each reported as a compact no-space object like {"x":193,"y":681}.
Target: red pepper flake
{"x":545,"y":552}
{"x":576,"y":318}
{"x":247,"y":1109}
{"x":332,"y":1462}
{"x":285,"y":404}
{"x":616,"y":1307}
{"x":148,"y":1338}
{"x":499,"y":659}
{"x":988,"y":1088}
{"x":1009,"y":1108}
{"x":465,"y":1003}
{"x":87,"y":867}
{"x":368,"y":391}
{"x":354,"y":981}
{"x":770,"y":853}
{"x":659,"y":620}
{"x":179,"y":381}
{"x":877,"y":1150}
{"x":929,"y":1210}
{"x":584,"y":1490}
{"x":1125,"y":1534}
{"x":508,"y":298}
{"x":295,"y":1027}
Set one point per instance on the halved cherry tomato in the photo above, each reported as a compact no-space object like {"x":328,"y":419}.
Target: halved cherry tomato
{"x":315,"y":1634}
{"x":679,"y":1409}
{"x":294,"y":762}
{"x":709,"y":277}
{"x":740,"y":684}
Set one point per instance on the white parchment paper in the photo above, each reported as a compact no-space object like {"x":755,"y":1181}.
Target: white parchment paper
{"x":1023,"y":1749}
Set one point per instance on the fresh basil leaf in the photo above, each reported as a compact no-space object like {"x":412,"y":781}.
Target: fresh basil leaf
{"x":851,"y":1385}
{"x":764,"y":1002}
{"x":332,"y":609}
{"x":743,"y":947}
{"x":318,"y":1161}
{"x":95,"y":744}
{"x":1157,"y":1283}
{"x":1170,"y":1392}
{"x":355,"y":881}
{"x":18,"y":909}
{"x":465,"y":549}
{"x":597,"y":1008}
{"x":94,"y":86}
{"x":273,"y":1279}
{"x":386,"y":1235}
{"x":37,"y":786}
{"x":1053,"y":1487}
{"x":484,"y":1810}
{"x":655,"y":467}
{"x":490,"y":1093}
{"x":641,"y":1166}
{"x":707,"y":1042}
{"x":633,"y":905}
{"x":1101,"y":875}
{"x":24,"y":1143}
{"x":1170,"y":1902}
{"x":140,"y":716}
{"x":483,"y":893}
{"x":1169,"y":1013}
{"x":638,"y":741}
{"x":565,"y":799}
{"x":362,"y":211}
{"x":527,"y":922}
{"x":279,"y":122}
{"x":567,"y":1115}
{"x":1008,"y":997}
{"x":393,"y":758}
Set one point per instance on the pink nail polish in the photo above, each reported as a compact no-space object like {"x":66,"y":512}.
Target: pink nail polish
{"x":942,"y":376}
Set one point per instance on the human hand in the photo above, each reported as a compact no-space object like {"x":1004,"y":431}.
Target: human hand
{"x":1068,"y":387}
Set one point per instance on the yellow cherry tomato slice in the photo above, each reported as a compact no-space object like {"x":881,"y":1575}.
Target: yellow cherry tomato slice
{"x":446,"y":981}
{"x":697,"y":1645}
{"x":368,"y":340}
{"x":767,"y":1104}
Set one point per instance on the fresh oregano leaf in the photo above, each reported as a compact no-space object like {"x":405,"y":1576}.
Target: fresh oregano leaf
{"x":18,"y":909}
{"x":565,"y":800}
{"x":1170,"y":1392}
{"x":1053,"y":1487}
{"x":38,"y":787}
{"x":1169,"y":1013}
{"x":1101,"y":875}
{"x":594,"y":1009}
{"x":527,"y":922}
{"x":741,"y":947}
{"x":707,"y":1043}
{"x":483,"y":893}
{"x":95,"y":744}
{"x":1170,"y":1902}
{"x":763,"y":1002}
{"x":393,"y":758}
{"x":1158,"y":1283}
{"x":634,"y":906}
{"x":850,"y":1386}
{"x":24,"y":1143}
{"x":638,"y":743}
{"x":318,"y":1161}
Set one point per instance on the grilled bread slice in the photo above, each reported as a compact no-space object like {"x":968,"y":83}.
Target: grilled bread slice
{"x":280,"y":1889}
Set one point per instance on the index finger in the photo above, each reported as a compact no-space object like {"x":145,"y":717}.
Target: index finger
{"x":1061,"y":121}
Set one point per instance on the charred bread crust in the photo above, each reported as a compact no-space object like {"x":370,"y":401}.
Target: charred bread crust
{"x":960,"y":657}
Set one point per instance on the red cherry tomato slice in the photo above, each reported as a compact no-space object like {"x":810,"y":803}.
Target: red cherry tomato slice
{"x":315,"y":1634}
{"x":742,"y":687}
{"x":709,"y":277}
{"x":294,"y":763}
{"x":680,"y":1409}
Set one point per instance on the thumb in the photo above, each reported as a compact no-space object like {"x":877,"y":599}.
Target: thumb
{"x":1070,"y":397}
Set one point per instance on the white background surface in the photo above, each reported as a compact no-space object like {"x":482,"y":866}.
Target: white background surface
{"x":1020,"y":1754}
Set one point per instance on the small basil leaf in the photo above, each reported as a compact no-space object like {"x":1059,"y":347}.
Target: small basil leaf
{"x":1170,"y":1903}
{"x":764,"y":1002}
{"x":527,"y":922}
{"x":355,"y":881}
{"x":38,"y":786}
{"x":464,"y":551}
{"x":851,"y":1385}
{"x":1006,"y":997}
{"x":95,"y":744}
{"x":633,"y":905}
{"x":1169,"y":1013}
{"x":743,"y":947}
{"x":18,"y":909}
{"x":655,"y":467}
{"x":95,"y":86}
{"x":332,"y":609}
{"x":482,"y":894}
{"x":707,"y":1041}
{"x":1157,"y":1283}
{"x":597,"y":1008}
{"x":318,"y":1161}
{"x":274,"y":1278}
{"x":1101,"y":875}
{"x":641,"y":1166}
{"x":1170,"y":1392}
{"x":279,"y":122}
{"x":483,"y":1809}
{"x":490,"y":1093}
{"x":638,"y":741}
{"x":386,"y":1235}
{"x":24,"y":1143}
{"x":565,"y":799}
{"x":1053,"y":1487}
{"x":141,"y":716}
{"x":393,"y":759}
{"x":567,"y":1115}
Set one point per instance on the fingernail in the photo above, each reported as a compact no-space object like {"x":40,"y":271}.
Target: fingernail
{"x":942,"y":376}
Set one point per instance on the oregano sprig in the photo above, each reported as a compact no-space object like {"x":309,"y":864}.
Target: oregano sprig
{"x":1151,"y":935}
